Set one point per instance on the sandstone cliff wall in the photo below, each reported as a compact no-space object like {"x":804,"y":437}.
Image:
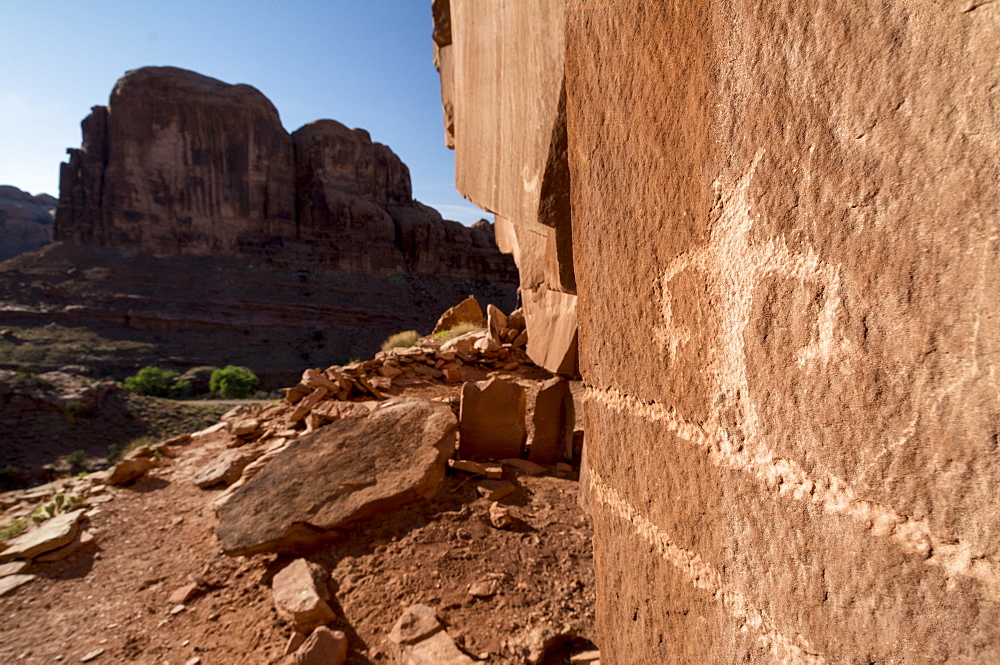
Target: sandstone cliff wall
{"x":501,"y":67}
{"x":785,"y":233}
{"x":182,"y":164}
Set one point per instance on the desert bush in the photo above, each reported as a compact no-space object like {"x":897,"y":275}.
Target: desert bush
{"x":460,"y":329}
{"x":13,"y":529}
{"x":74,"y":410}
{"x":115,"y":454}
{"x":76,"y":459}
{"x":233,"y":382}
{"x":156,"y":382}
{"x":60,"y":503}
{"x":403,"y":339}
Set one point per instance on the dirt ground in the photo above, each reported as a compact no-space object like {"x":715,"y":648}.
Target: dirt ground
{"x":159,"y":534}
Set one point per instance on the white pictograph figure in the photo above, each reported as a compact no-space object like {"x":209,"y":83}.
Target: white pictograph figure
{"x":738,"y":264}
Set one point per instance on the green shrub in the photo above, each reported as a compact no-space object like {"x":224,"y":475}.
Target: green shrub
{"x":460,"y":329}
{"x":115,"y":454}
{"x":13,"y":529}
{"x":60,"y":503}
{"x":156,"y":382}
{"x":233,"y":382}
{"x":74,"y":410}
{"x":76,"y":459}
{"x":403,"y":339}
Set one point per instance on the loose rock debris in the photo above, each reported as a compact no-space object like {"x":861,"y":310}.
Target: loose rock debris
{"x":501,"y":557}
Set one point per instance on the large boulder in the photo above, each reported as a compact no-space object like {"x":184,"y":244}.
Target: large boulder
{"x":553,"y":419}
{"x":467,"y":311}
{"x":346,"y":471}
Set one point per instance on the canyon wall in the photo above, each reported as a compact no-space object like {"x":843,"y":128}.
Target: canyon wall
{"x":785,"y":228}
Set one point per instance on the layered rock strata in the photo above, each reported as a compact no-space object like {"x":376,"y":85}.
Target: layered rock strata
{"x":789,"y":223}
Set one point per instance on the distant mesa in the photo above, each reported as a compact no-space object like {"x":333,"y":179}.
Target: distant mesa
{"x":179,"y":163}
{"x":25,"y":221}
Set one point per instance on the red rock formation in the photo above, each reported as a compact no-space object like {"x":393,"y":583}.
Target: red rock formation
{"x":785,"y":232}
{"x":182,"y":164}
{"x":510,"y":150}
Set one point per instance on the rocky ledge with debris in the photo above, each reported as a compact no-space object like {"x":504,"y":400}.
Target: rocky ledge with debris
{"x":418,"y":507}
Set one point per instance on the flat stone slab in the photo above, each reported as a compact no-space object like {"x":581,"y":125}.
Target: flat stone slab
{"x":11,"y":582}
{"x":343,"y":472}
{"x":226,"y":468}
{"x":13,"y":568}
{"x":51,"y":535}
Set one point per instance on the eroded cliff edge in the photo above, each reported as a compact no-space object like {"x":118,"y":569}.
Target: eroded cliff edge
{"x":784,"y":230}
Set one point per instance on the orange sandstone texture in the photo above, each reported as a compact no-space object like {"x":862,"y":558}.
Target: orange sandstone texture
{"x":785,"y":239}
{"x":501,"y":68}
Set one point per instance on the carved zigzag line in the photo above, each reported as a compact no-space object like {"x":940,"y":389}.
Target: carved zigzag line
{"x":704,"y":576}
{"x":830,"y":493}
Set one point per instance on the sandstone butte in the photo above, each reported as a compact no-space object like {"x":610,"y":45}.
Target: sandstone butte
{"x":772,"y":231}
{"x":290,"y":247}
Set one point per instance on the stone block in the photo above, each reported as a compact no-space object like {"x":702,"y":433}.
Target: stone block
{"x":491,"y":420}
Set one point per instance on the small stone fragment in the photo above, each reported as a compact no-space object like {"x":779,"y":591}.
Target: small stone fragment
{"x":183,"y":594}
{"x":323,"y":647}
{"x":306,"y":405}
{"x":82,"y":540}
{"x":300,"y":595}
{"x":177,"y":609}
{"x":418,"y":622}
{"x":526,"y":467}
{"x":129,"y":470}
{"x":193,"y":661}
{"x":587,"y":658}
{"x":11,"y":582}
{"x":494,"y":490}
{"x":13,"y":568}
{"x":295,"y":640}
{"x":418,"y":639}
{"x":226,"y":468}
{"x":86,"y":658}
{"x":51,"y":535}
{"x":246,"y":427}
{"x":499,"y":516}
{"x":468,"y":466}
{"x":209,"y":431}
{"x":484,"y":588}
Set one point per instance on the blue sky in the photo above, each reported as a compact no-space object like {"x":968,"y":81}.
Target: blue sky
{"x":365,"y":63}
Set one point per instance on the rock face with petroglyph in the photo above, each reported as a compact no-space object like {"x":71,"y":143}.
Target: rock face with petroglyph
{"x":785,"y":263}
